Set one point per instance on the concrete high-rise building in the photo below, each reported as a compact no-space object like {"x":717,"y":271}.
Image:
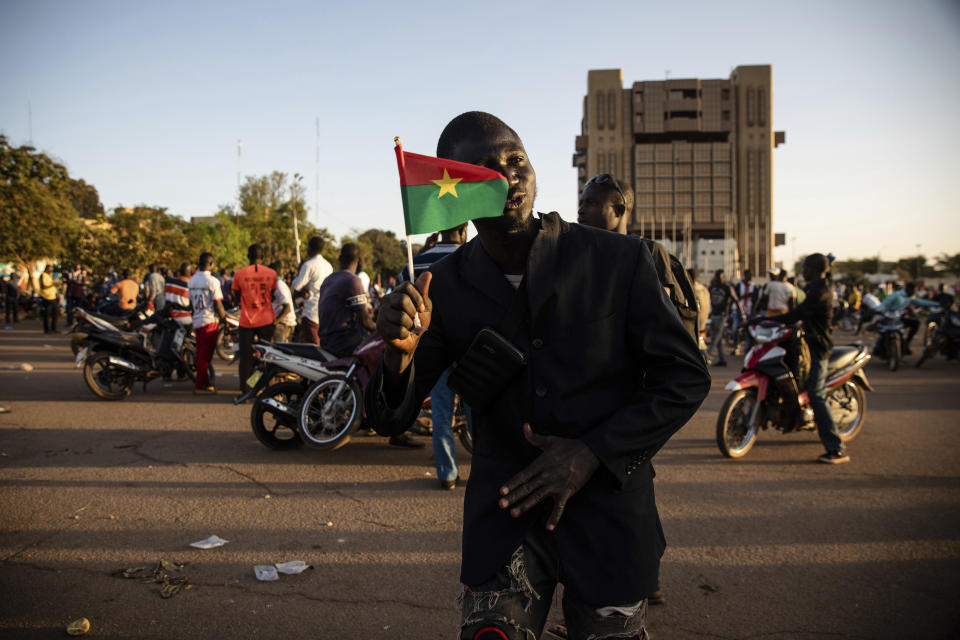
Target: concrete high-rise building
{"x":699,"y":155}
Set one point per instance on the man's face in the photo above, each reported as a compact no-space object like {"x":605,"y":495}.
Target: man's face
{"x":599,"y":207}
{"x":503,"y":151}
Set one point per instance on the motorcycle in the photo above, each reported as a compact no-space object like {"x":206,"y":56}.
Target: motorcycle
{"x":228,"y":340}
{"x":944,"y":337}
{"x":889,"y":343}
{"x":332,"y":408}
{"x":87,"y":320}
{"x":113,"y":359}
{"x":282,"y":372}
{"x":767,"y":392}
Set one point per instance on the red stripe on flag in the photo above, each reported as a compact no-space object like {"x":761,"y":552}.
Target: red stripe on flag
{"x":416,"y":169}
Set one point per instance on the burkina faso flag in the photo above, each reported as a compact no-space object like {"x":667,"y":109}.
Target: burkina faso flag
{"x":441,"y":194}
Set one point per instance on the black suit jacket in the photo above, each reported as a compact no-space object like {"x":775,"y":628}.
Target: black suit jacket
{"x":609,"y":362}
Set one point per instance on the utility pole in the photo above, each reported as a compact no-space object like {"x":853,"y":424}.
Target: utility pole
{"x":316,"y":189}
{"x":236,"y":217}
{"x":297,"y":178}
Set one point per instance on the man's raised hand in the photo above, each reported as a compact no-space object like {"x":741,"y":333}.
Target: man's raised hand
{"x":396,"y":321}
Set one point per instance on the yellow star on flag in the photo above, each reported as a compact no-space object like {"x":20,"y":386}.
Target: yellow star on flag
{"x":447,"y":185}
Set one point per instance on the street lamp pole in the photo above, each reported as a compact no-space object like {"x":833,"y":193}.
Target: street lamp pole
{"x":297,"y":178}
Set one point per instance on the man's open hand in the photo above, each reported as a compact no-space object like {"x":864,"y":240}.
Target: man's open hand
{"x":396,"y":324}
{"x":559,"y":472}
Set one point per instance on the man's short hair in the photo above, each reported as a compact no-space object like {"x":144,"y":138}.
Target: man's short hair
{"x":254,"y":252}
{"x":125,"y":273}
{"x":349,"y":253}
{"x":205,"y":260}
{"x":152,"y":267}
{"x":817,"y":261}
{"x":184,"y":269}
{"x":276,"y":266}
{"x":315,"y":245}
{"x":615,"y":185}
{"x":447,"y":233}
{"x":472,"y":124}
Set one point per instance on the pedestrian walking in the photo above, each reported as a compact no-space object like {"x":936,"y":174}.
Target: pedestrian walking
{"x":286,"y":322}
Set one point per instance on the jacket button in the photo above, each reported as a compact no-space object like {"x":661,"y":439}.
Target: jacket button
{"x":537,"y":343}
{"x":541,"y":391}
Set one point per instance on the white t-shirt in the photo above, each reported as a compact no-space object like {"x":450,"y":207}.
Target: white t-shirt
{"x":204,"y":291}
{"x":281,"y":296}
{"x":779,"y":295}
{"x":312,"y":274}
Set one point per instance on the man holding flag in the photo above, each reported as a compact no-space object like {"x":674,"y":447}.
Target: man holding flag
{"x":577,"y":388}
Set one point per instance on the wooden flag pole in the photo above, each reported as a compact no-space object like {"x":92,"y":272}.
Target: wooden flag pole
{"x":413,"y":280}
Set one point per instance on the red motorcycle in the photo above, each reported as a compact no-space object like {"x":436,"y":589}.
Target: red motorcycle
{"x":767,"y":392}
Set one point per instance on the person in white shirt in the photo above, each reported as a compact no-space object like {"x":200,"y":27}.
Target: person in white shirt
{"x":206,"y":298}
{"x":780,"y":296}
{"x":286,"y":321}
{"x":307,"y":283}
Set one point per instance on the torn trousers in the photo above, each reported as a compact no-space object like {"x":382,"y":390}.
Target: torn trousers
{"x":518,"y":598}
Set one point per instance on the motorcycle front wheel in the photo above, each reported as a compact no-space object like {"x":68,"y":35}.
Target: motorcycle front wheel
{"x":735,"y":435}
{"x":893,"y":352}
{"x":273,"y":417}
{"x":227,"y":346}
{"x":930,"y":350}
{"x":848,"y":406}
{"x":107,"y":381}
{"x":189,"y":355}
{"x":330,"y":412}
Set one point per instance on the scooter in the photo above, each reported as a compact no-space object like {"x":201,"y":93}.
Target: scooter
{"x":767,"y":392}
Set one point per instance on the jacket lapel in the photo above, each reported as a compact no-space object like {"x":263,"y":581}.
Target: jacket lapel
{"x":481,"y":273}
{"x":542,"y":262}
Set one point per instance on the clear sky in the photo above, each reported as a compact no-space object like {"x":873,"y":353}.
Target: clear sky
{"x":146,"y":101}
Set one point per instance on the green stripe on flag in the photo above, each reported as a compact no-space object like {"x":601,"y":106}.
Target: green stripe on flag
{"x":426,"y":211}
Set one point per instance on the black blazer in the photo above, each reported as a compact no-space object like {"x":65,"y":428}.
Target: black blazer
{"x":609,"y":361}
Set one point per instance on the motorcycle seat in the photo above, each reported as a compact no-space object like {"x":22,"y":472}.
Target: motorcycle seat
{"x":843,"y":355}
{"x":302,"y":350}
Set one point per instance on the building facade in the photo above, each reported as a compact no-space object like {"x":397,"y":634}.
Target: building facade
{"x":698,"y":154}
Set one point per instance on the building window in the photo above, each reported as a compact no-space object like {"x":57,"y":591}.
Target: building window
{"x":725,"y":114}
{"x":751,"y":106}
{"x":762,"y":107}
{"x":613,"y":164}
{"x":724,"y":94}
{"x":600,"y":110}
{"x":601,"y":166}
{"x":612,"y":109}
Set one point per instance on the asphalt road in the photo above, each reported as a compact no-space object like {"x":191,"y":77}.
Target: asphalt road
{"x":774,"y":546}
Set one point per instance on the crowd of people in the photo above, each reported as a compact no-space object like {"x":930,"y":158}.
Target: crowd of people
{"x":573,"y":382}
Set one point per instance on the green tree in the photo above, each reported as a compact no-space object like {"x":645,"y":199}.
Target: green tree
{"x":384,"y":253}
{"x":225,"y":239}
{"x":949,"y":264}
{"x":268,"y":204}
{"x":37,"y":217}
{"x":136,"y":236}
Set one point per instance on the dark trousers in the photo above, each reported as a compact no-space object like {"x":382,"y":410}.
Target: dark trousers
{"x":72,"y":303}
{"x":816,"y":390}
{"x":912,"y":325}
{"x":51,"y":311}
{"x":13,"y":309}
{"x":246,"y":349}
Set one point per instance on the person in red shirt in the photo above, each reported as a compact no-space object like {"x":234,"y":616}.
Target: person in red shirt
{"x":254,"y":286}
